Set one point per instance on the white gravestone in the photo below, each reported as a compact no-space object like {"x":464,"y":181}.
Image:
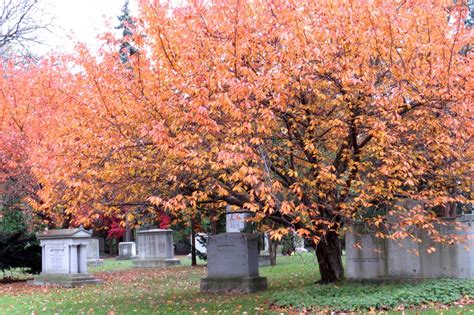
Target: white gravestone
{"x":235,"y":222}
{"x":127,"y":251}
{"x":264,"y":256}
{"x":155,"y":249}
{"x":64,"y":258}
{"x":299,"y":244}
{"x":232,"y":264}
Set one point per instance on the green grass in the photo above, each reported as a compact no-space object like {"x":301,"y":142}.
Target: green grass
{"x":158,"y":291}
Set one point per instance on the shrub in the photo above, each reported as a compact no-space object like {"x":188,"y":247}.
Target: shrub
{"x":18,"y":247}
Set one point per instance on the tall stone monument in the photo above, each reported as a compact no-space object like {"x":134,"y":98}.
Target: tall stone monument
{"x":155,"y":249}
{"x":64,"y":258}
{"x":232,"y":264}
{"x":127,"y":251}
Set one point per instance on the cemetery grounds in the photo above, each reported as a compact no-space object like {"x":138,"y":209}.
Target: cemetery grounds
{"x":175,"y":290}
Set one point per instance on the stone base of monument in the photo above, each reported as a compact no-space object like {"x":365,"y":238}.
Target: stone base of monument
{"x":155,"y":263}
{"x":95,"y":262}
{"x":233,"y":285}
{"x":66,"y":280}
{"x":264,"y":260}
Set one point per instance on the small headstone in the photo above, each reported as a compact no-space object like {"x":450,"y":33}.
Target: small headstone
{"x":299,"y":245}
{"x":155,"y":249}
{"x":235,"y":222}
{"x":232,"y":264}
{"x":264,"y":256}
{"x":93,"y":252}
{"x":127,"y":251}
{"x":64,"y":258}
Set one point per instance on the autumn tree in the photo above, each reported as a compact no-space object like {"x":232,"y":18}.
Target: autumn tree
{"x":309,"y":115}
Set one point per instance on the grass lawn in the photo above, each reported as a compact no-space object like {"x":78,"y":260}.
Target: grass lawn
{"x":172,"y":290}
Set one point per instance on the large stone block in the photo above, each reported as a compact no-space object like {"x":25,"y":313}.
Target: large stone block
{"x":93,"y":252}
{"x":406,"y":259}
{"x":232,"y":264}
{"x":155,"y":249}
{"x":64,"y":258}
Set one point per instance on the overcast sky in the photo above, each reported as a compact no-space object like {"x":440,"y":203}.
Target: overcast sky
{"x":81,"y":19}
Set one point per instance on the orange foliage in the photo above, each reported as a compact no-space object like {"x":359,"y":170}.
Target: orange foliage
{"x":310,"y":114}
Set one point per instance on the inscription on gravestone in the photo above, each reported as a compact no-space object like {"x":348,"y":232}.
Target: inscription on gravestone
{"x":56,"y":259}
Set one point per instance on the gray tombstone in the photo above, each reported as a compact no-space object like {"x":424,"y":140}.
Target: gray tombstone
{"x":155,"y":249}
{"x":232,"y":264}
{"x":235,"y":222}
{"x":101,"y":245}
{"x":264,"y":258}
{"x":64,"y":258}
{"x":93,"y":252}
{"x":127,"y":251}
{"x":376,"y":258}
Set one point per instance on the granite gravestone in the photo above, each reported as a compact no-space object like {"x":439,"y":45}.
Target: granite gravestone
{"x":127,"y":251}
{"x":64,"y":258}
{"x":93,"y":252}
{"x":381,"y":259}
{"x":235,"y":222}
{"x":232,"y":264}
{"x":155,"y":249}
{"x":264,"y":258}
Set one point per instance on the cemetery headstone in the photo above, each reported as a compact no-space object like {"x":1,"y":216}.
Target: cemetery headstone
{"x":64,"y":258}
{"x":235,"y":222}
{"x":127,"y":251}
{"x":155,"y":249}
{"x":232,"y":264}
{"x":375,"y":258}
{"x":93,"y":252}
{"x":264,"y":255}
{"x":299,"y":245}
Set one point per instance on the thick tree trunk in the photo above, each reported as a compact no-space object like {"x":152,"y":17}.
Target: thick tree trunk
{"x":328,"y":253}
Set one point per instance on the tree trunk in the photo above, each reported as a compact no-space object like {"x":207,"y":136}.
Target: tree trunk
{"x":193,"y":245}
{"x":328,"y":253}
{"x":272,"y":245}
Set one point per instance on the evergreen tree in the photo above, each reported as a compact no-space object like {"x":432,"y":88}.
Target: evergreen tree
{"x":127,"y":27}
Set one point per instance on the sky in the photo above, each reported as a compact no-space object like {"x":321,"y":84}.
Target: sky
{"x":80,"y":20}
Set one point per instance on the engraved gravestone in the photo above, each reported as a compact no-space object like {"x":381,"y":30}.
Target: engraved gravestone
{"x":369,"y":257}
{"x":64,"y":258}
{"x":127,"y":251}
{"x":235,"y":222}
{"x":93,"y":252}
{"x":155,"y":249}
{"x":232,"y":264}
